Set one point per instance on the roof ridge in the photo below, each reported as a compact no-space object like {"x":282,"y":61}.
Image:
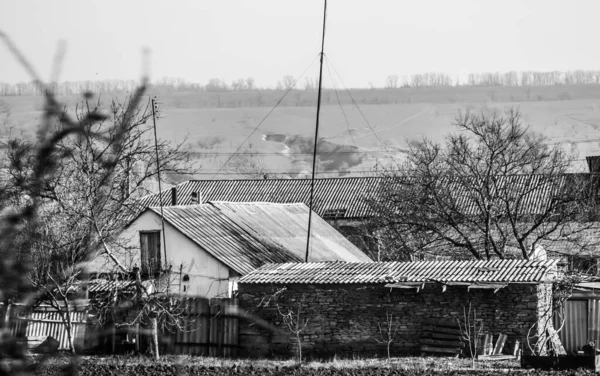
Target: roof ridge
{"x":284,"y":179}
{"x":256,"y":203}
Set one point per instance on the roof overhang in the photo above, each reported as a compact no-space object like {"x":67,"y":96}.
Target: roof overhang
{"x":469,"y":285}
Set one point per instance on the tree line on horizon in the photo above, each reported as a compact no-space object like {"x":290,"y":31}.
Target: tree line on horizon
{"x":423,"y":80}
{"x":492,"y":79}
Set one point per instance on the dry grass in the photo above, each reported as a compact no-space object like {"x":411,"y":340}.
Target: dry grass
{"x":403,"y":363}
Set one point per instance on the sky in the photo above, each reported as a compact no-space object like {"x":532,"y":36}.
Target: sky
{"x":267,"y":39}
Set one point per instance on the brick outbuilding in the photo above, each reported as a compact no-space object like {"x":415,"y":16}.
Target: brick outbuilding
{"x":345,"y":303}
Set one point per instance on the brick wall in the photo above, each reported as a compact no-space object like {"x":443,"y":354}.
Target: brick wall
{"x":343,"y":319}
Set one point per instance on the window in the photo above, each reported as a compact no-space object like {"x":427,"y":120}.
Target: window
{"x":150,"y":252}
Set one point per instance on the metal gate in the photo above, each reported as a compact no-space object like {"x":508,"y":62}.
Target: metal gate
{"x":210,"y":328}
{"x":581,"y":323}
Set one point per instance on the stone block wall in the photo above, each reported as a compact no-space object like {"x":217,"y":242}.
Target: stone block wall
{"x":344,"y":319}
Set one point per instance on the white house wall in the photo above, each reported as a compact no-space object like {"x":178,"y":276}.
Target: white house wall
{"x":208,"y":277}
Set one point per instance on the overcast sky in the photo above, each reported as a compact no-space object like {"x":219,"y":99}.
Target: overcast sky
{"x":266,"y":39}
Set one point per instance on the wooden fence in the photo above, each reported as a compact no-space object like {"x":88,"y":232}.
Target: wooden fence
{"x":210,"y":328}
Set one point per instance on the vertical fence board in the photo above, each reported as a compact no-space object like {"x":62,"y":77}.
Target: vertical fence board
{"x":594,"y":321}
{"x":575,"y":330}
{"x":44,"y":321}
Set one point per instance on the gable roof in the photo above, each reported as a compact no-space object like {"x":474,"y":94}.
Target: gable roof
{"x":245,"y":236}
{"x":347,"y":197}
{"x":330,"y":193}
{"x":285,"y":225}
{"x":457,"y":272}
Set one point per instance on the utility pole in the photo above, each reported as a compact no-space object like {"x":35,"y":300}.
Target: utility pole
{"x":315,"y":151}
{"x":155,"y":112}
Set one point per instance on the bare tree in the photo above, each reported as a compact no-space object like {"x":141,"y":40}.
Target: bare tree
{"x":86,"y":196}
{"x":295,"y":323}
{"x":391,"y":82}
{"x":250,"y":83}
{"x":19,"y":222}
{"x":155,"y":308}
{"x":288,"y":82}
{"x":471,"y":329}
{"x":388,"y":332}
{"x":492,"y":188}
{"x":310,"y":83}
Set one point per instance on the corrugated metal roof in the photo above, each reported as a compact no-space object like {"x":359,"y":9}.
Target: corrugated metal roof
{"x":524,"y":194}
{"x":246,"y":236}
{"x":105,"y":285}
{"x":285,"y":225}
{"x":347,"y":197}
{"x":497,"y":271}
{"x":330,"y":193}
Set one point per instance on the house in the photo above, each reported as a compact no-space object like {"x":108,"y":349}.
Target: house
{"x":207,"y":247}
{"x":339,"y":201}
{"x":344,"y":203}
{"x":346,"y":303}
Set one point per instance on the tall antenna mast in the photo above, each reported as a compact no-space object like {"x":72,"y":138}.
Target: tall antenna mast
{"x":155,"y":111}
{"x":314,"y":165}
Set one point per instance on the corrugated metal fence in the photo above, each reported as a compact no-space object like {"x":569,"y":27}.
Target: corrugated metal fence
{"x":210,"y":328}
{"x":581,"y":323}
{"x":43,"y":321}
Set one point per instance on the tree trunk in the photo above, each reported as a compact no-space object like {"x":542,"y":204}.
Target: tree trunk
{"x":6,"y":322}
{"x":299,"y":347}
{"x":154,"y":325}
{"x":68,"y":325}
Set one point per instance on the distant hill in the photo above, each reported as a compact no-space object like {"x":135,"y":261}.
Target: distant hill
{"x":216,"y":124}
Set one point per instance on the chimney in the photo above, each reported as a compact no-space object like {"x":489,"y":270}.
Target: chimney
{"x":195,"y":198}
{"x":173,"y":196}
{"x":593,"y":162}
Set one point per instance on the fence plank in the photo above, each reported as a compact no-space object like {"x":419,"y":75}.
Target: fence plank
{"x":44,"y":321}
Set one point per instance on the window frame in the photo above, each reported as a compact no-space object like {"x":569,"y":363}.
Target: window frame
{"x":145,"y":261}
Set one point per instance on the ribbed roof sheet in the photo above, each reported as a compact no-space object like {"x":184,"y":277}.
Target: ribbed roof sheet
{"x":105,"y":285}
{"x":285,"y":226}
{"x":330,"y":193}
{"x":497,"y":271}
{"x":348,"y":196}
{"x":245,"y":236}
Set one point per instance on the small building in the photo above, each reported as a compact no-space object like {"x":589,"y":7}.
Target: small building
{"x":206,"y":248}
{"x":344,"y":304}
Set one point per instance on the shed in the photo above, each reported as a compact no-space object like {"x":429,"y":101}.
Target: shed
{"x":346,"y":303}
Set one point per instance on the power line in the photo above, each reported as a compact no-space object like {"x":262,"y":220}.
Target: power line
{"x":285,"y":154}
{"x":340,"y":104}
{"x":358,"y":108}
{"x":267,"y":115}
